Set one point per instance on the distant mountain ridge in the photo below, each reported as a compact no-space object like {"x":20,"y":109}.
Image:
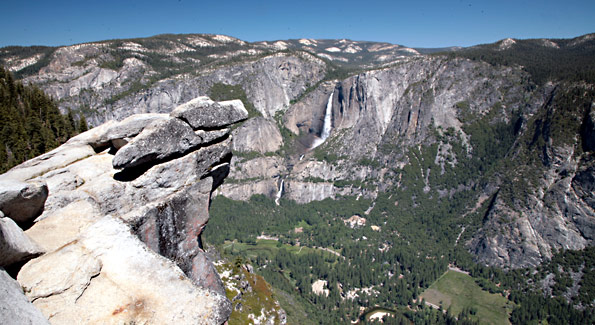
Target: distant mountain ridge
{"x":385,"y":100}
{"x":28,"y":60}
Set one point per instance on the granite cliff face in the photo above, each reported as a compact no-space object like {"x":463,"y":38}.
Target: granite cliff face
{"x":546,"y":203}
{"x":385,"y":101}
{"x":118,"y":236}
{"x":379,"y":115}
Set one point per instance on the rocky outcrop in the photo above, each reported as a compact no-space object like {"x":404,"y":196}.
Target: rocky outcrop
{"x":121,"y":226}
{"x":118,"y":135}
{"x":256,"y":168}
{"x":304,"y":192}
{"x":248,"y":177}
{"x":243,"y":191}
{"x":399,"y":107}
{"x":516,"y":236}
{"x":247,"y":289}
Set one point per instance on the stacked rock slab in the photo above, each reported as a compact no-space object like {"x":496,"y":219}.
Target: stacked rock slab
{"x":121,"y":225}
{"x":21,"y":202}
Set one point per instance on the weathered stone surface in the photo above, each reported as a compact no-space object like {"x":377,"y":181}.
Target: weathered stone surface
{"x":63,"y":225}
{"x":257,"y":134}
{"x":22,"y":201}
{"x":157,"y":142}
{"x":115,"y":134}
{"x":583,"y":184}
{"x":108,"y":276}
{"x":171,"y":176}
{"x":308,"y":169}
{"x":15,"y":308}
{"x":560,"y":217}
{"x":131,"y":126}
{"x":203,"y":113}
{"x":15,"y":246}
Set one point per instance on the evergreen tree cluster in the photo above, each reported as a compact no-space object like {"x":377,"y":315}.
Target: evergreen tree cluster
{"x":31,"y":122}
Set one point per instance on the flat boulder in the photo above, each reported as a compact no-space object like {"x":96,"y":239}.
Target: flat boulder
{"x":203,"y":113}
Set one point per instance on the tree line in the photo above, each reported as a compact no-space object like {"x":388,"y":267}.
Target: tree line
{"x":31,"y":122}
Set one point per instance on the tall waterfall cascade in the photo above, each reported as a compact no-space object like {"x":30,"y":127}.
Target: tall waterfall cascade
{"x":327,"y":123}
{"x":279,"y":193}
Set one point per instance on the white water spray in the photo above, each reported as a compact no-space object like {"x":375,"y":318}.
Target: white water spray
{"x":279,"y":193}
{"x":326,"y":125}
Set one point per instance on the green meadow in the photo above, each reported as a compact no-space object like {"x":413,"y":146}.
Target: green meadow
{"x":456,"y":291}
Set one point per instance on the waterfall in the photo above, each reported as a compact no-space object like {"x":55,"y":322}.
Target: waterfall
{"x":328,"y":115}
{"x":326,"y":124}
{"x":278,"y":197}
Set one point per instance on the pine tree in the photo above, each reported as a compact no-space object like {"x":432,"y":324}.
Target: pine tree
{"x":69,"y":124}
{"x":82,"y":127}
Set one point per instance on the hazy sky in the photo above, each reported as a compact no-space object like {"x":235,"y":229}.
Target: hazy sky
{"x":411,"y":23}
